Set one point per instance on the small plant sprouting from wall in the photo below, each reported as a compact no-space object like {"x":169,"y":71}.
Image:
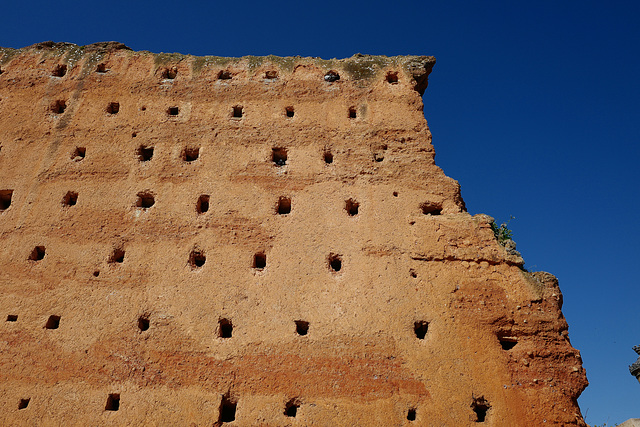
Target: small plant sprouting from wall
{"x":502,"y":232}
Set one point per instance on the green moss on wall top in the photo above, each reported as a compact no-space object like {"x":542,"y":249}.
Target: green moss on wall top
{"x":161,"y":59}
{"x":6,"y":53}
{"x":359,"y":68}
{"x":365,"y":66}
{"x":199,"y":62}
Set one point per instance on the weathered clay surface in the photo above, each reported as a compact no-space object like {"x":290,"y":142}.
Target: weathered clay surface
{"x":142,"y":281}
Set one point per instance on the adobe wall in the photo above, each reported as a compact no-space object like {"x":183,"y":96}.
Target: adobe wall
{"x":185,"y":237}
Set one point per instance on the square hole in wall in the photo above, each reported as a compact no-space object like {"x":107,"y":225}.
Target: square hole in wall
{"x":480,"y":406}
{"x":145,"y":200}
{"x":271,"y":74}
{"x":78,"y":154}
{"x":12,"y":318}
{"x":113,"y":402}
{"x":331,"y":76}
{"x":335,"y":262}
{"x":190,"y":154}
{"x":117,"y":256}
{"x":421,"y":328}
{"x":411,"y":414}
{"x":145,"y":153}
{"x":70,"y":199}
{"x":53,"y":322}
{"x":197,"y":259}
{"x":328,"y":156}
{"x":351,"y":206}
{"x":59,"y":70}
{"x":5,"y":199}
{"x":224,"y":75}
{"x":279,"y":156}
{"x":143,"y":323}
{"x":284,"y":205}
{"x":23,"y":403}
{"x":202,"y":205}
{"x":113,"y":108}
{"x":173,"y":111}
{"x":507,"y":343}
{"x":352,"y":112}
{"x":227,"y":411}
{"x":37,"y":253}
{"x":392,"y":77}
{"x":58,"y":107}
{"x":430,"y":208}
{"x":291,"y":408}
{"x":302,"y":327}
{"x":101,"y":68}
{"x":259,"y":261}
{"x":237,"y":112}
{"x":225,"y":328}
{"x":170,"y":73}
{"x":289,"y":112}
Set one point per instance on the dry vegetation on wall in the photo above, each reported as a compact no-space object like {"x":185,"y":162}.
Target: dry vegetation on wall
{"x":254,"y":241}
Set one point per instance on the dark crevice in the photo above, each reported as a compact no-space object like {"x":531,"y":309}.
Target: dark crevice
{"x":420,"y":328}
{"x":227,"y":410}
{"x":302,"y":327}
{"x":284,"y":206}
{"x":335,"y":263}
{"x":197,"y":259}
{"x":291,"y":408}
{"x":279,"y":156}
{"x":143,"y":323}
{"x":37,"y":253}
{"x":113,"y":402}
{"x":259,"y":261}
{"x":202,"y":205}
{"x":225,"y":328}
{"x":53,"y":322}
{"x":5,"y":199}
{"x":480,"y":406}
{"x":117,"y":256}
{"x":145,"y":200}
{"x":411,"y":414}
{"x":113,"y":108}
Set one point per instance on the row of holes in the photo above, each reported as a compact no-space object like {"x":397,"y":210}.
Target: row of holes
{"x":59,"y":106}
{"x":191,"y":154}
{"x":225,"y":328}
{"x":146,"y":200}
{"x":228,"y":407}
{"x":197,"y":259}
{"x":170,"y":73}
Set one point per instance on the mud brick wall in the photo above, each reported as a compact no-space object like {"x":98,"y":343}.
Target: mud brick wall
{"x":254,"y":241}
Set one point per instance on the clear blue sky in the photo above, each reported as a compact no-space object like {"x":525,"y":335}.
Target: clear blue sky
{"x":534,"y":108}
